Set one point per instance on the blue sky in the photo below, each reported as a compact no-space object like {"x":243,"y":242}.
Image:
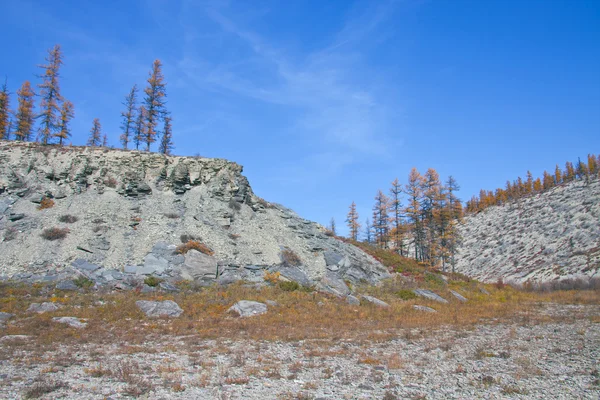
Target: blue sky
{"x":324,"y":103}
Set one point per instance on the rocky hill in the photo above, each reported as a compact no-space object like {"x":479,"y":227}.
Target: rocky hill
{"x":123,"y":213}
{"x":547,"y":237}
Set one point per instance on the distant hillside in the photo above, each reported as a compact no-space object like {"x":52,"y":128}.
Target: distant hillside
{"x":554,"y":235}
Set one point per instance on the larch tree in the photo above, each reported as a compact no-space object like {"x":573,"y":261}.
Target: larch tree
{"x":104,"y":140}
{"x":352,"y":221}
{"x":381,"y":220}
{"x":430,"y":208}
{"x":155,"y":102}
{"x":558,"y":178}
{"x":396,"y":217}
{"x":592,"y":164}
{"x":413,"y":190}
{"x":129,"y":117}
{"x":50,"y":95}
{"x":166,"y":141}
{"x":332,"y":228}
{"x":66,"y":115}
{"x":368,"y":231}
{"x":547,"y":181}
{"x":95,"y":138}
{"x":4,"y":112}
{"x":569,"y":174}
{"x":139,"y":133}
{"x":24,"y":114}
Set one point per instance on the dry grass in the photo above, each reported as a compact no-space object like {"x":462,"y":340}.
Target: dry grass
{"x":54,"y":233}
{"x":300,"y":315}
{"x":68,"y":219}
{"x":45,"y":203}
{"x":194,"y":245}
{"x":289,"y":258}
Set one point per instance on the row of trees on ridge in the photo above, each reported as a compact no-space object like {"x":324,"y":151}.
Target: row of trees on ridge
{"x":520,"y":188}
{"x":140,"y":126}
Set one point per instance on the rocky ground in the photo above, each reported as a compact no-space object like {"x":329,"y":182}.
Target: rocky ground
{"x":546,"y":237}
{"x":556,"y":359}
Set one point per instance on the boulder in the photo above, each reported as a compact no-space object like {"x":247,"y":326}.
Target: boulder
{"x":155,"y":264}
{"x":247,"y":308}
{"x":168,"y":287}
{"x":295,"y":274}
{"x":167,"y":308}
{"x":459,"y":296}
{"x":424,"y":308}
{"x":198,"y":266}
{"x":84,"y":265}
{"x":376,"y":301}
{"x":428,"y":294}
{"x":353,"y":301}
{"x":66,"y":285}
{"x":71,"y":321}
{"x":4,"y":316}
{"x":334,"y":284}
{"x":43,"y":307}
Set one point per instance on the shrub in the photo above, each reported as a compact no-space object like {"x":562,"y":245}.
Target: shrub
{"x":329,"y":232}
{"x":272,"y":277}
{"x":194,"y":245}
{"x":186,"y":238}
{"x":45,"y":203}
{"x":152,"y":281}
{"x":100,"y":228}
{"x":434,"y":279}
{"x":406,"y":294}
{"x":110,"y":182}
{"x":68,"y":219}
{"x":10,"y":234}
{"x":172,"y":215}
{"x":39,"y":389}
{"x":289,"y":286}
{"x":55,"y":233}
{"x":234,"y":205}
{"x":289,"y":258}
{"x":83,"y":282}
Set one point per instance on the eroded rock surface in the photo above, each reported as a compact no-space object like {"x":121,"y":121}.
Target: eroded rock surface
{"x":132,"y":209}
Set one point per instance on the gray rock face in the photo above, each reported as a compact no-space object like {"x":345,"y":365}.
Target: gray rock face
{"x":71,"y":321}
{"x":43,"y":307}
{"x":247,"y":308}
{"x":198,"y":266}
{"x":376,"y":301}
{"x":354,"y":301}
{"x":167,"y":308}
{"x":122,"y":199}
{"x":546,"y":237}
{"x":428,"y":294}
{"x":459,"y":296}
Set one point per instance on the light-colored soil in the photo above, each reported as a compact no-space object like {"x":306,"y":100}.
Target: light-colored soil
{"x":558,"y":359}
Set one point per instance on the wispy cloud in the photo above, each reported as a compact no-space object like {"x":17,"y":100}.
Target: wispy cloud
{"x":337,"y":95}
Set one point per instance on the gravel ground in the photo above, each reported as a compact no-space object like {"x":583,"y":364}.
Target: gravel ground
{"x":554,"y":360}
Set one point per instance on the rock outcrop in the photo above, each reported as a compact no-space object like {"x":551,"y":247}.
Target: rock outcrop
{"x":116,"y":217}
{"x":547,"y":237}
